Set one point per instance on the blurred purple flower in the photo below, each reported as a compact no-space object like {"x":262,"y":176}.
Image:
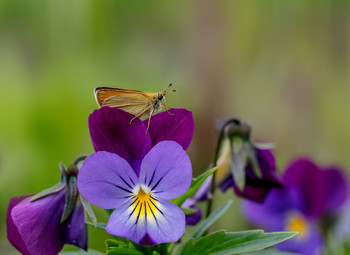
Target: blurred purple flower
{"x":43,"y":223}
{"x":143,"y":212}
{"x":249,"y":170}
{"x":255,"y":188}
{"x":310,"y":193}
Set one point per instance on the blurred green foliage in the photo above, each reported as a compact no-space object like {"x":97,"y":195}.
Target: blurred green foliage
{"x":282,"y":66}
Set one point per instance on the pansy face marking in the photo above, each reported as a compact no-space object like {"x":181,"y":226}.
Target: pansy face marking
{"x":142,"y":210}
{"x":143,"y":206}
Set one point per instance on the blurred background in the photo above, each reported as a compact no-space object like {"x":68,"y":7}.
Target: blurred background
{"x":281,"y":66}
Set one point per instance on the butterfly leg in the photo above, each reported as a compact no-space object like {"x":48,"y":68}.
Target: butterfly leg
{"x":149,"y":120}
{"x":137,"y":116}
{"x":166,"y":108}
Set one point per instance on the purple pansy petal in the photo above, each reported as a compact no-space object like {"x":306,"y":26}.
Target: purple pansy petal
{"x":38,"y":222}
{"x":111,"y":131}
{"x":125,"y":222}
{"x":75,"y":228}
{"x":311,"y":244}
{"x":257,"y":194}
{"x":106,"y":180}
{"x":337,"y":189}
{"x":226,"y":183}
{"x":256,"y":188}
{"x":194,"y":218}
{"x":12,"y":232}
{"x":178,"y":127}
{"x":169,"y":226}
{"x":203,"y":193}
{"x":310,"y":183}
{"x":271,"y":213}
{"x":267,"y":166}
{"x":166,"y":170}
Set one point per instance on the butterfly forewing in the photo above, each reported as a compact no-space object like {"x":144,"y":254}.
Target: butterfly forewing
{"x":133,"y":101}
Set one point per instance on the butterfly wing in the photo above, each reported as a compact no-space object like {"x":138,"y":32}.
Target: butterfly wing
{"x":132,"y":101}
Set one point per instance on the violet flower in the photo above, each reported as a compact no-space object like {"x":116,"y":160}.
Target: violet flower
{"x":241,"y":165}
{"x":43,"y":223}
{"x":112,"y":134}
{"x":309,"y":195}
{"x":143,"y":212}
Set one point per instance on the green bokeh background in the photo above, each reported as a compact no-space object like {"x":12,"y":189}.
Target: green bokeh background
{"x":282,"y":66}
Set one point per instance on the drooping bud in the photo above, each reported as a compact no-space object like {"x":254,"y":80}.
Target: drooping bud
{"x":235,"y":151}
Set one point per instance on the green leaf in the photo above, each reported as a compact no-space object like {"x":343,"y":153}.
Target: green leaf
{"x":88,"y":210}
{"x":54,"y":189}
{"x":109,"y":211}
{"x":223,"y":243}
{"x":72,"y":194}
{"x":211,"y":219}
{"x":196,"y":183}
{"x":81,"y":252}
{"x":188,"y":210}
{"x":252,"y":158}
{"x":270,"y":251}
{"x":112,"y":243}
{"x":97,"y":225}
{"x":123,"y":251}
{"x":156,"y":253}
{"x":238,"y":162}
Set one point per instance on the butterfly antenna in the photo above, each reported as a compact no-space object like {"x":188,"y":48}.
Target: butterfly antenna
{"x":172,"y":91}
{"x":170,"y":84}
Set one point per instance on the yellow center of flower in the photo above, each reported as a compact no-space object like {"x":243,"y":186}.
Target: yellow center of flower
{"x":145,"y":203}
{"x":296,"y":222}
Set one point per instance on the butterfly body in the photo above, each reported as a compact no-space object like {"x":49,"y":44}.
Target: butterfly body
{"x":136,"y":102}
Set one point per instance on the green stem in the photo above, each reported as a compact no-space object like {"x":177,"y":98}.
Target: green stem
{"x":78,"y":159}
{"x":212,"y":186}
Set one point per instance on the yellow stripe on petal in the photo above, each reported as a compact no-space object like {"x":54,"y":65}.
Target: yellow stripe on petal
{"x":145,"y":205}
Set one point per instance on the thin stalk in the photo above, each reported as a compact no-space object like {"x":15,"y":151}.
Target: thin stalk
{"x":212,"y":186}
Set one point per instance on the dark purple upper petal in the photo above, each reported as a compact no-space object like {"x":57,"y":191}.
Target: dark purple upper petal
{"x":38,"y":223}
{"x":306,"y":178}
{"x":337,"y":189}
{"x":178,"y":127}
{"x":111,"y":131}
{"x":12,"y":232}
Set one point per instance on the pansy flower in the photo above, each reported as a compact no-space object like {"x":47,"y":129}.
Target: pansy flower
{"x":44,"y":222}
{"x":249,"y":170}
{"x":137,"y":173}
{"x":310,"y":194}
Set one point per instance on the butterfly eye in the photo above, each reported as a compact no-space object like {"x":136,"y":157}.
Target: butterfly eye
{"x":160,"y":97}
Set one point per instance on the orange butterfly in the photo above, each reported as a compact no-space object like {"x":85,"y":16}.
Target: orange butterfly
{"x":136,"y":102}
